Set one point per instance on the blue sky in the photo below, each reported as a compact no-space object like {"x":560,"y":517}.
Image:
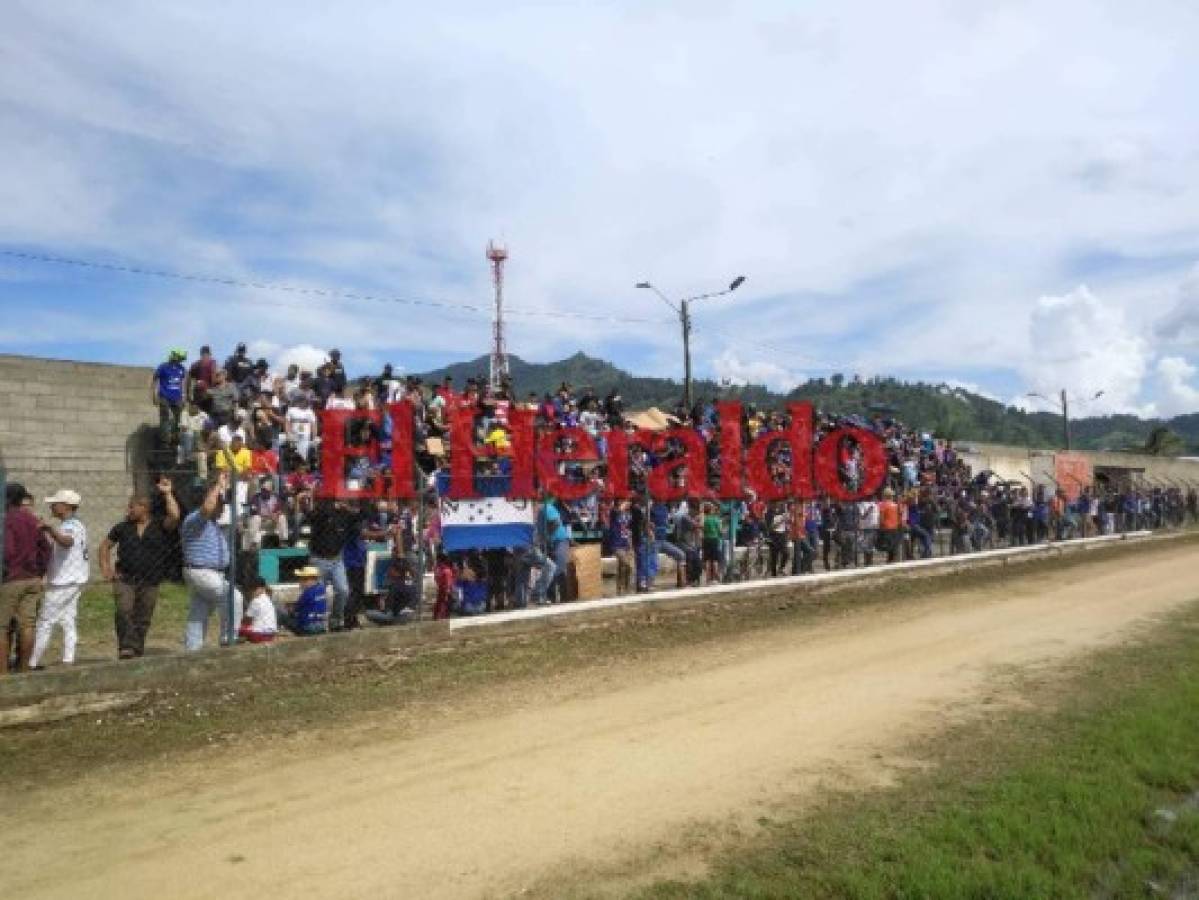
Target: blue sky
{"x":997,"y":194}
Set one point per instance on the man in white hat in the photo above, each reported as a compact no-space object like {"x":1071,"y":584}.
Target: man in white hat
{"x":66,"y":575}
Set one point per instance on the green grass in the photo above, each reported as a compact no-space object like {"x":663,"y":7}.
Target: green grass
{"x":1048,"y":803}
{"x":97,"y":633}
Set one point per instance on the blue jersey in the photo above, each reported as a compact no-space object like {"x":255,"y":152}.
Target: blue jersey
{"x":552,"y":526}
{"x":311,"y":612}
{"x":170,"y":376}
{"x":659,"y":516}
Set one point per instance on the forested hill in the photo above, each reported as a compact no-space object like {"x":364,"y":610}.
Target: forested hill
{"x":949,"y":412}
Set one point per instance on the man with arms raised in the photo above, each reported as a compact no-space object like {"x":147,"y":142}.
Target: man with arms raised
{"x":205,"y":567}
{"x":143,"y":545}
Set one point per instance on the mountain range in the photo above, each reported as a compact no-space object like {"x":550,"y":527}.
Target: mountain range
{"x":950,"y":412}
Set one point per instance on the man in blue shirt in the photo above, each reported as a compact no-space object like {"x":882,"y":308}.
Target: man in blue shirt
{"x":167,"y":388}
{"x":205,"y":568}
{"x":663,"y":525}
{"x":555,"y":534}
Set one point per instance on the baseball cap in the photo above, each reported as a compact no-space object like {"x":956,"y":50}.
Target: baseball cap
{"x":70,"y":498}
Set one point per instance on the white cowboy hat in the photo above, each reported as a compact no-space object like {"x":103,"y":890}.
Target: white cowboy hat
{"x":70,"y":498}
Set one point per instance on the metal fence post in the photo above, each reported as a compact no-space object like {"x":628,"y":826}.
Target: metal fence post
{"x":231,"y":626}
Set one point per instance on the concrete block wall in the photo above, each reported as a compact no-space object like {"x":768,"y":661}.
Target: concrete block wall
{"x":83,"y":426}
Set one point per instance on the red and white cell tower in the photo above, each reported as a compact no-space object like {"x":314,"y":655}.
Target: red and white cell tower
{"x":498,"y":254}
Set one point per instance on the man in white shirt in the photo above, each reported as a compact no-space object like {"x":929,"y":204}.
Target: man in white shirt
{"x":65,"y":577}
{"x":868,"y":516}
{"x":300,"y":424}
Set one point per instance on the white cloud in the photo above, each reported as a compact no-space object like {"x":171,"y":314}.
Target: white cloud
{"x":1180,"y":326}
{"x":971,"y":386}
{"x":1178,"y":394}
{"x":306,"y":356}
{"x":898,"y":182}
{"x":729,"y":366}
{"x":1082,"y":345}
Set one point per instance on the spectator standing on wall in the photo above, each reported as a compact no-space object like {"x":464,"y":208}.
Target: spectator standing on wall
{"x":301,"y":426}
{"x":205,"y":567}
{"x":192,"y":424}
{"x":144,"y":545}
{"x":201,"y":377}
{"x":336,"y":372}
{"x":239,"y":366}
{"x":66,"y":575}
{"x":26,"y":554}
{"x":222,"y":399}
{"x":167,"y":393}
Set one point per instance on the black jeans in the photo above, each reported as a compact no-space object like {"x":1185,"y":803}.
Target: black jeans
{"x":357,"y":599}
{"x":778,"y":554}
{"x":803,"y":555}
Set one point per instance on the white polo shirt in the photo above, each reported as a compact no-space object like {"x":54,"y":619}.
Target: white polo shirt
{"x":69,"y":565}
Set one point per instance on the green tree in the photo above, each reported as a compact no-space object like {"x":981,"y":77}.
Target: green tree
{"x":1164,"y":442}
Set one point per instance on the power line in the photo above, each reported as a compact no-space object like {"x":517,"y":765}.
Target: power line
{"x":313,"y":291}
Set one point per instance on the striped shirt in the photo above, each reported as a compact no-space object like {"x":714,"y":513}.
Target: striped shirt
{"x":204,"y":543}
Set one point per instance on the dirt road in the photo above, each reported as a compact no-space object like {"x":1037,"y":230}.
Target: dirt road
{"x":488,"y":804}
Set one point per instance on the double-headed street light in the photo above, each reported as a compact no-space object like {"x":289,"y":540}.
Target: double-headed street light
{"x":683,"y":308}
{"x":1064,"y":406}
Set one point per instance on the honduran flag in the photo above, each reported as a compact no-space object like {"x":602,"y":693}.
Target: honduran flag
{"x":488,"y":521}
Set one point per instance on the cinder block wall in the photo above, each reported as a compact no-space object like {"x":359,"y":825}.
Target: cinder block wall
{"x":83,"y":426}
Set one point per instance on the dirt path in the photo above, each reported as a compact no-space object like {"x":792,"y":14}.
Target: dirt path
{"x":491,"y":805}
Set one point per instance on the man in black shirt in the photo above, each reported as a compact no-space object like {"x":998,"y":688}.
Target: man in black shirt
{"x":144,"y":546}
{"x":333,"y":525}
{"x":337,"y":372}
{"x":239,"y":367}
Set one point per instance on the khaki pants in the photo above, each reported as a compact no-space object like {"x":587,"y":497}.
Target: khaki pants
{"x":18,"y":601}
{"x":134,"y":609}
{"x":624,"y":570}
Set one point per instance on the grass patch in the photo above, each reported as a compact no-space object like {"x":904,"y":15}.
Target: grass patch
{"x":1055,"y":802}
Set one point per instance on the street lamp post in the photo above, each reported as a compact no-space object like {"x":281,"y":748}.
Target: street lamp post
{"x":1064,"y":406}
{"x":684,"y":312}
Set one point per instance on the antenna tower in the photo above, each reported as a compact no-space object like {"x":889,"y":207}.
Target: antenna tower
{"x":498,"y":254}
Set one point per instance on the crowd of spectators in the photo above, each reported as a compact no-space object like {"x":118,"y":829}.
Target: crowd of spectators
{"x":264,"y":424}
{"x":240,"y":432}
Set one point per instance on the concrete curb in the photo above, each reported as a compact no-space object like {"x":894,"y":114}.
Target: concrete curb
{"x":221,"y":664}
{"x":921,"y":566}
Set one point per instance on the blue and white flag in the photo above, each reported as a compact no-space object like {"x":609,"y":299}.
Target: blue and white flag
{"x":486,"y":522}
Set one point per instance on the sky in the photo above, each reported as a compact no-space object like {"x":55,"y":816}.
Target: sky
{"x":998,"y":195}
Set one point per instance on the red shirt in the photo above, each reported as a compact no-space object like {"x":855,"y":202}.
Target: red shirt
{"x":203,"y":371}
{"x":26,"y":552}
{"x":888,"y":515}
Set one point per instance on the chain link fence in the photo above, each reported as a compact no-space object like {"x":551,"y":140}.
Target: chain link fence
{"x":182,"y":556}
